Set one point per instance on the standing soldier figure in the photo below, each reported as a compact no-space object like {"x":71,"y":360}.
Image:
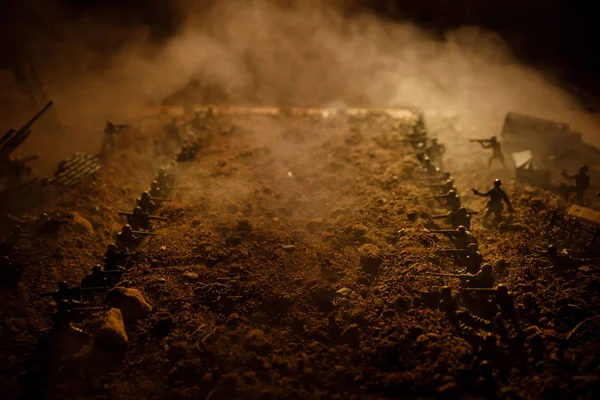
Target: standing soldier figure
{"x":582,"y":182}
{"x":436,"y":153}
{"x":494,"y":144}
{"x":494,"y":205}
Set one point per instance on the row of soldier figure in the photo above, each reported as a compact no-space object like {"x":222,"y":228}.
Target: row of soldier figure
{"x":70,"y":300}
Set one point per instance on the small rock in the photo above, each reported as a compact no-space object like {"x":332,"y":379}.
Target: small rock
{"x":233,"y":321}
{"x":112,"y":334}
{"x":81,"y":225}
{"x":344,"y":292}
{"x":258,"y":341}
{"x":131,"y":302}
{"x":359,"y":230}
{"x":351,"y":335}
{"x":191,"y":276}
{"x":370,"y":257}
{"x":244,"y":226}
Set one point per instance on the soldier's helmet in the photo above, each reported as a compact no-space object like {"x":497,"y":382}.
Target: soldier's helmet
{"x":472,"y":247}
{"x":63,"y":285}
{"x":426,"y":160}
{"x":112,"y":248}
{"x":138,"y":210}
{"x":584,"y":169}
{"x":462,"y":211}
{"x":447,"y":175}
{"x":446,"y":291}
{"x":451,"y":193}
{"x":450,"y":183}
{"x":126,"y":229}
{"x":501,"y":290}
{"x":498,"y":182}
{"x":487,"y":268}
{"x":154,"y":185}
{"x":461,"y":229}
{"x":145,"y":195}
{"x":494,"y":138}
{"x":96,"y":268}
{"x":16,"y":230}
{"x":552,"y":250}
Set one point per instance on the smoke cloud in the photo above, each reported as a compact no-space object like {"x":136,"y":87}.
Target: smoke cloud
{"x":282,"y":53}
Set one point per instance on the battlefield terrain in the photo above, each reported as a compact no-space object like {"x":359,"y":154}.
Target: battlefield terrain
{"x":292,"y":265}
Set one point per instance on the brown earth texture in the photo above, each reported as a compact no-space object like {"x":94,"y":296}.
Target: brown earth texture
{"x":291,"y":267}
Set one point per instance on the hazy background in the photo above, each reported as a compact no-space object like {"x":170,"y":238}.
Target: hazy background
{"x":118,"y":60}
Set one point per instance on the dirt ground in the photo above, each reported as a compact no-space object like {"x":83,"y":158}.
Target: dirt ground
{"x":290,"y":268}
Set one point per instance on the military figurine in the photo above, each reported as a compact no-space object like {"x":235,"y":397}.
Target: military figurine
{"x":495,"y":205}
{"x":429,"y":168}
{"x":164,"y":180}
{"x":11,"y":242}
{"x":493,"y":144}
{"x":473,"y":259}
{"x":582,"y":183}
{"x":445,"y":187}
{"x":145,"y":203}
{"x":461,"y":237}
{"x":483,"y":279}
{"x":436,"y":153}
{"x":110,"y":132}
{"x":451,"y":200}
{"x":563,"y":261}
{"x":125,"y":239}
{"x":155,"y":189}
{"x":171,"y":131}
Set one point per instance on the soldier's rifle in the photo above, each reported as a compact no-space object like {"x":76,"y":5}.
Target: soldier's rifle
{"x":445,"y":275}
{"x":452,"y":251}
{"x":480,"y":140}
{"x":142,"y":233}
{"x":450,"y":215}
{"x":148,"y":216}
{"x":72,"y":292}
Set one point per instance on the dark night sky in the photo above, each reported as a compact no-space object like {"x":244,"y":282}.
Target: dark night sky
{"x":559,"y":36}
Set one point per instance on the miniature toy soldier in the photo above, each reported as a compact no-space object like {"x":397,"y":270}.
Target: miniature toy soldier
{"x":494,"y":144}
{"x":164,"y":180}
{"x":155,"y":189}
{"x":452,"y":200}
{"x":429,"y":168}
{"x":473,"y":259}
{"x":93,"y":279}
{"x":447,"y":304}
{"x":506,"y":303}
{"x":110,"y":132}
{"x":113,"y":259}
{"x":563,"y":261}
{"x":145,"y":203}
{"x":482,"y":279}
{"x":582,"y":183}
{"x":461,"y":217}
{"x":10,"y":243}
{"x":138,"y":219}
{"x":461,"y":237}
{"x":436,"y":153}
{"x":125,"y":238}
{"x":171,"y":131}
{"x":494,"y":205}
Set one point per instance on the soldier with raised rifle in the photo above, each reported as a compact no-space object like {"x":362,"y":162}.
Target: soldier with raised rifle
{"x":493,"y":144}
{"x":110,"y":132}
{"x":582,"y":183}
{"x":436,"y":153}
{"x":495,"y":205}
